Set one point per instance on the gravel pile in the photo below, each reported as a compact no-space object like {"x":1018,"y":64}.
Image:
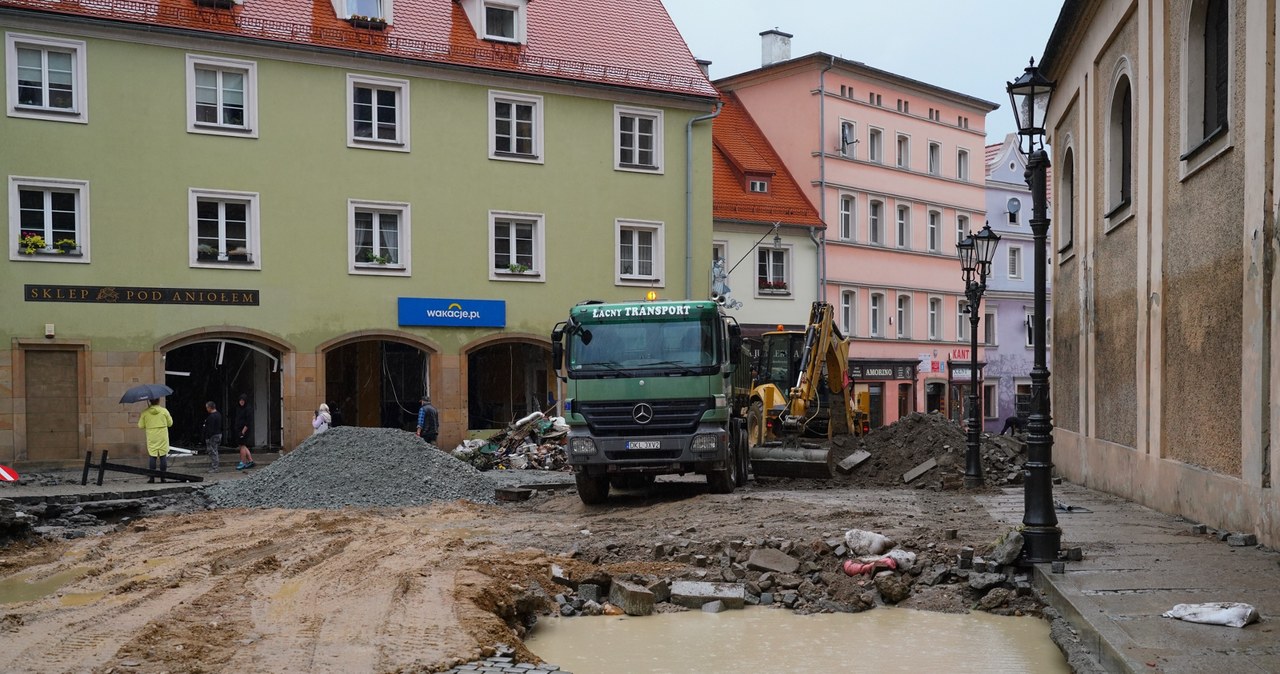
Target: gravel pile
{"x":362,"y":467}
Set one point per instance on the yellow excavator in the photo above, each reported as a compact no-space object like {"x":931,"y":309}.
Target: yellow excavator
{"x":802,"y":393}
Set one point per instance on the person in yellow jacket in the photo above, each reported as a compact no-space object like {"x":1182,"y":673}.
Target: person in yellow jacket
{"x":156,"y":420}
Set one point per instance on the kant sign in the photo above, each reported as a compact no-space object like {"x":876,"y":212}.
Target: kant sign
{"x":136,"y":295}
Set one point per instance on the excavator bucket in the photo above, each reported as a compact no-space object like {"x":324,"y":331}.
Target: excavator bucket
{"x":776,"y":459}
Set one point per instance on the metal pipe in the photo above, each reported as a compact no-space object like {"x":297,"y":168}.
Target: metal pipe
{"x":688,"y":198}
{"x":822,"y":178}
{"x":1041,"y":536}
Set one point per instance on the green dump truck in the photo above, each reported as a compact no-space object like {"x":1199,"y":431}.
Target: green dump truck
{"x":653,"y":388}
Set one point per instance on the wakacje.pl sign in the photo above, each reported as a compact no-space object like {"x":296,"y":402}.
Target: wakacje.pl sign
{"x":451,"y":312}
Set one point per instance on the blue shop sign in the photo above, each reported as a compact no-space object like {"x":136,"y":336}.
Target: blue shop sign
{"x":453,"y":313}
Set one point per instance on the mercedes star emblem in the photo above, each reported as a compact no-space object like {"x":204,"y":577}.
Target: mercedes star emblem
{"x":642,"y":413}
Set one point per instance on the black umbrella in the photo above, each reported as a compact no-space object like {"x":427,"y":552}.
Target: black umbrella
{"x":146,"y":392}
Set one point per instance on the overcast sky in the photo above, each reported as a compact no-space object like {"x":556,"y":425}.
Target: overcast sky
{"x":972,"y":47}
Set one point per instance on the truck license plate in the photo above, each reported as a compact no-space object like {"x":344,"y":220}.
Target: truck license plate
{"x":644,"y":444}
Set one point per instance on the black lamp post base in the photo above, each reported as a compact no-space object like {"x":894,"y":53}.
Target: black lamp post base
{"x":1041,"y":544}
{"x":974,"y":482}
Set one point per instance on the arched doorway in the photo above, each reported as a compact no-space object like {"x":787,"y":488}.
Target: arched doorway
{"x":375,"y":383}
{"x":221,"y":370}
{"x":507,"y":381}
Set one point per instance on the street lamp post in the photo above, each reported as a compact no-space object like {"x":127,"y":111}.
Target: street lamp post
{"x":976,"y":252}
{"x":1029,"y":98}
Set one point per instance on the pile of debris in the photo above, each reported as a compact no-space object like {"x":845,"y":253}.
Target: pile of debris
{"x":833,"y":574}
{"x":534,"y":442}
{"x":929,"y":450}
{"x":362,"y":467}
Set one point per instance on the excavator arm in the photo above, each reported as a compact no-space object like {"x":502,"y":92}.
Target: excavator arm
{"x":824,"y":345}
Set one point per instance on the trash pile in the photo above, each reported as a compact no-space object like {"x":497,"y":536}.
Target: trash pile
{"x":910,"y":443}
{"x":351,"y":466}
{"x":534,"y":442}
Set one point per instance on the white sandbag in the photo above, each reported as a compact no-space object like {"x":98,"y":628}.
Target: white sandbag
{"x":906,"y":560}
{"x":866,"y":542}
{"x":534,"y":416}
{"x":1231,"y":614}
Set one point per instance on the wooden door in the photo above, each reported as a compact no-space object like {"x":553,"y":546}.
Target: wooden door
{"x":53,"y":410}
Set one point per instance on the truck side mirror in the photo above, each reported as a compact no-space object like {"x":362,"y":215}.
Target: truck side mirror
{"x":557,"y":347}
{"x":735,"y":338}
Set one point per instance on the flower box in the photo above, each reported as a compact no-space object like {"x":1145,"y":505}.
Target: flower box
{"x":773,"y":287}
{"x":370,"y":22}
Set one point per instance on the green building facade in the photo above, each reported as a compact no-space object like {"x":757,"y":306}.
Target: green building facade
{"x":307,"y":224}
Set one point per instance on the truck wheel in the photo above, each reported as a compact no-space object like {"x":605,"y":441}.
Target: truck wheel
{"x":755,"y":424}
{"x":592,"y":489}
{"x":743,"y":454}
{"x":724,"y":481}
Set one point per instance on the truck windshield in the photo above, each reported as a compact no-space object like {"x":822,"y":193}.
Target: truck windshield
{"x":689,"y":346}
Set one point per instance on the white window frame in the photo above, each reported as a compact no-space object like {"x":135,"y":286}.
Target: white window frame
{"x":848,"y":139}
{"x":935,"y":158}
{"x":1027,"y":322}
{"x":964,"y":329}
{"x":1199,"y":148}
{"x":403,"y":214}
{"x":1015,"y":262}
{"x":516,"y":8}
{"x":786,"y":253}
{"x":252,"y":230}
{"x":903,"y":313}
{"x":933,"y":231}
{"x":81,"y":190}
{"x":877,"y":314}
{"x":849,"y":312}
{"x":962,"y":227}
{"x":902,"y":225}
{"x":989,"y":326}
{"x":875,"y":223}
{"x":79,"y":111}
{"x":519,"y":99}
{"x":848,"y":217}
{"x":250,"y":71}
{"x":935,"y":318}
{"x":962,"y":164}
{"x":903,"y":147}
{"x":401,"y":88}
{"x":758,"y":186}
{"x":620,"y":111}
{"x":657,"y":278}
{"x":384,"y":10}
{"x":537,"y":273}
{"x":875,"y":145}
{"x":992,"y":411}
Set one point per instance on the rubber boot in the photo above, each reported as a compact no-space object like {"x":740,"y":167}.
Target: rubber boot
{"x":151,"y":465}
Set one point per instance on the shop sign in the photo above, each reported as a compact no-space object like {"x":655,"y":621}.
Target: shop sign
{"x":882,"y":370}
{"x":139,"y":295}
{"x":960,"y":354}
{"x":452,"y":312}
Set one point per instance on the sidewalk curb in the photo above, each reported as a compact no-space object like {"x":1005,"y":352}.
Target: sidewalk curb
{"x":1103,"y":640}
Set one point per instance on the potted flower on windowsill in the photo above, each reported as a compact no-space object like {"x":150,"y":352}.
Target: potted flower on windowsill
{"x":773,"y":287}
{"x":370,"y":22}
{"x":67,"y":246}
{"x":515,"y":268}
{"x":206,"y":253}
{"x":31,"y":243}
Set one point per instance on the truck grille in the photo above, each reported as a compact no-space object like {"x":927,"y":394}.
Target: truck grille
{"x":617,"y":418}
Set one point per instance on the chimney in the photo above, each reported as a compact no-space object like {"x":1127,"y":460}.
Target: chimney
{"x":705,"y":66}
{"x":775,"y":47}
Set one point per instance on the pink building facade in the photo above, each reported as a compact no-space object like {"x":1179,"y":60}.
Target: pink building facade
{"x":896,"y":170}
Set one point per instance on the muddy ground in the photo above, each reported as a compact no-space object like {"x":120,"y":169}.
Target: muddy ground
{"x":421,"y":589}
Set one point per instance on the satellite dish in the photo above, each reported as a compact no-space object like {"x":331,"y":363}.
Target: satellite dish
{"x":1014,"y":205}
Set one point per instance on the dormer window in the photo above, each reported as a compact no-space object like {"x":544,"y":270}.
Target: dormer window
{"x":498,"y":20}
{"x":378,"y":11}
{"x":369,"y":8}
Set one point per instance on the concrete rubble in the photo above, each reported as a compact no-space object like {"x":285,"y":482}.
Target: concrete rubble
{"x":533,"y":442}
{"x":926,"y":451}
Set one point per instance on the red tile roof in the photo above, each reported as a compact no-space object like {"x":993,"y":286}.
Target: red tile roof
{"x":628,"y":44}
{"x":741,"y":149}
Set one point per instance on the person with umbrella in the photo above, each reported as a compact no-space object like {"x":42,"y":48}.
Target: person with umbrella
{"x":156,"y":420}
{"x":243,"y":422}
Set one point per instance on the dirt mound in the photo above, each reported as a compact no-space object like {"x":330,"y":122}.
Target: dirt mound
{"x":349,"y":466}
{"x":917,"y":438}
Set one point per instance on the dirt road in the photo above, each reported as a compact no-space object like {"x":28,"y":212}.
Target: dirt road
{"x":406,"y":590}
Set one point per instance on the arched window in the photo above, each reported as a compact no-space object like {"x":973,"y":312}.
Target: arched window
{"x":1120,"y":148}
{"x":1206,"y":91}
{"x":1067,"y":200}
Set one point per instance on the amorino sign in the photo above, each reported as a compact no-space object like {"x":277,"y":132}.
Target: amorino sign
{"x":452,"y":312}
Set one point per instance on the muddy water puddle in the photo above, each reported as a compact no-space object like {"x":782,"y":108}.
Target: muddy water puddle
{"x":776,"y":640}
{"x":25,"y":586}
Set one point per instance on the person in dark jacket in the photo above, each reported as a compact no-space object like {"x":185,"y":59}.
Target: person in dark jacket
{"x":212,"y":434}
{"x":242,"y":431}
{"x":428,"y":421}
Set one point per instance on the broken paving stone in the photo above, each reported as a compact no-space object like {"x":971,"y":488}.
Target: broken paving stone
{"x":985,"y":581}
{"x":633,"y":599}
{"x":919,"y":470}
{"x":768,"y":559}
{"x":892,"y":588}
{"x":935,"y":575}
{"x":560,"y":577}
{"x":716,"y":606}
{"x":853,"y":461}
{"x":661,"y":590}
{"x":994,"y":599}
{"x":1075,"y":554}
{"x":693,"y":594}
{"x":766,"y":598}
{"x":1241,"y":540}
{"x":1009,"y":549}
{"x":589,"y":592}
{"x":790,"y":599}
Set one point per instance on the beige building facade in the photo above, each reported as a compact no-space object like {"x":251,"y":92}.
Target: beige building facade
{"x":1162,"y":129}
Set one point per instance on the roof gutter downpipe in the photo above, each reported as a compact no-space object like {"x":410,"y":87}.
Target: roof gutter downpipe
{"x":822,"y":180}
{"x":688,"y":197}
